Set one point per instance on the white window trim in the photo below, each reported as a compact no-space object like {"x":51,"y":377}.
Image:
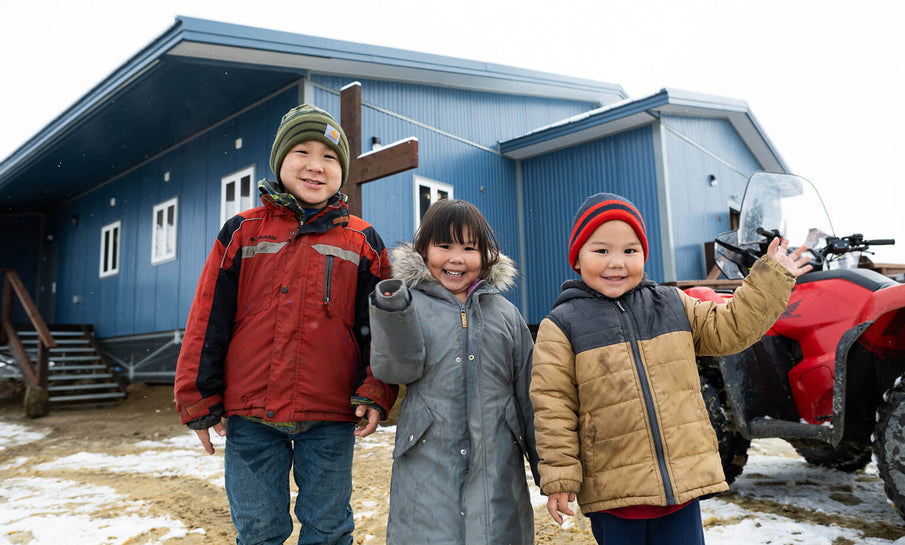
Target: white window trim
{"x":171,"y":254}
{"x":226,"y":213}
{"x":434,"y":186}
{"x":115,"y":227}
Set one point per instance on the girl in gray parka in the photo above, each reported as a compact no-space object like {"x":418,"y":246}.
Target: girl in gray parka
{"x":442,"y":328}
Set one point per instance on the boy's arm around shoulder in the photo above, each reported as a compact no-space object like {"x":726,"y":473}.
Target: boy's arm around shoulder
{"x":720,"y":329}
{"x":397,"y":345}
{"x":554,"y":396}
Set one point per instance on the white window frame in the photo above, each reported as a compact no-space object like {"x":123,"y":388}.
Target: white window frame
{"x":229,"y":209}
{"x":435,"y":188}
{"x":111,"y":254}
{"x":164,"y":234}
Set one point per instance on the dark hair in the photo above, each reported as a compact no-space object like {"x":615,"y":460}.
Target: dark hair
{"x":446,"y":220}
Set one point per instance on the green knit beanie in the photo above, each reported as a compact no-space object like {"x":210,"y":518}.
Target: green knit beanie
{"x":304,"y":123}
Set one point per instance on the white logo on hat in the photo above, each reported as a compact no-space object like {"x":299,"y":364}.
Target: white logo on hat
{"x":332,"y":133}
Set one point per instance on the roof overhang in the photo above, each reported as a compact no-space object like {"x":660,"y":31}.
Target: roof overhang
{"x":630,"y":114}
{"x":200,"y":73}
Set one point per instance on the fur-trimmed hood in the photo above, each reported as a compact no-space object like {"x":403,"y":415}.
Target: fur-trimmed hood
{"x":409,"y":266}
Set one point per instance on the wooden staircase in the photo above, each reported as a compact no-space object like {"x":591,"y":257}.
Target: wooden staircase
{"x":63,"y":367}
{"x":77,"y":372}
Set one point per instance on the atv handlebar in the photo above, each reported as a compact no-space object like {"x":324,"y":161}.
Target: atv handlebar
{"x":835,"y":247}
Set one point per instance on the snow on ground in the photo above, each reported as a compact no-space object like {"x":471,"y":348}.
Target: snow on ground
{"x":777,"y":500}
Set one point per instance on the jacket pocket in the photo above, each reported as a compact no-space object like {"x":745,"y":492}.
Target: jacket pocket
{"x":515,"y":424}
{"x":410,"y":432}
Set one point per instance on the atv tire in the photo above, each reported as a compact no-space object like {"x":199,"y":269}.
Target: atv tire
{"x":889,"y":444}
{"x":848,"y":456}
{"x":732,"y":444}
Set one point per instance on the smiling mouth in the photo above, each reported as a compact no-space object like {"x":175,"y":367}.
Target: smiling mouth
{"x":453,"y":273}
{"x":314,"y":182}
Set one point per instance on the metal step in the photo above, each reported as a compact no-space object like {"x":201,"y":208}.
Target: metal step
{"x":88,"y":397}
{"x":67,"y":368}
{"x":77,"y":374}
{"x":94,"y":386}
{"x":54,"y":334}
{"x":60,"y":378}
{"x":90,"y":357}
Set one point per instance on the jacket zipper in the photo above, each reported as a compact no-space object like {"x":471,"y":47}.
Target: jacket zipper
{"x":328,"y":278}
{"x":648,"y":403}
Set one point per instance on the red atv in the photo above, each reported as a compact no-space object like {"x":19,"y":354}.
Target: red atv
{"x":827,"y":377}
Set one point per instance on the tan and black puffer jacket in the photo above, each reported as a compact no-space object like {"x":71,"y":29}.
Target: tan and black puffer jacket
{"x":619,"y":415}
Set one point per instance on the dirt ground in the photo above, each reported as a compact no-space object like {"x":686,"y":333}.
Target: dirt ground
{"x":148,"y":415}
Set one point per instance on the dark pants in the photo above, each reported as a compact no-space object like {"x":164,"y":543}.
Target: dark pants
{"x":683,"y":527}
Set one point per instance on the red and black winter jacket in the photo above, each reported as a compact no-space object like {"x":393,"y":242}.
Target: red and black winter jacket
{"x":278,"y":328}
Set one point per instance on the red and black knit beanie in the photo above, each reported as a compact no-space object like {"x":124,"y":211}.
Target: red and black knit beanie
{"x":598,"y":209}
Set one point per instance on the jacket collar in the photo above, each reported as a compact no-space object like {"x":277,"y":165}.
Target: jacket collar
{"x":578,"y":289}
{"x":334,"y":213}
{"x":409,"y":266}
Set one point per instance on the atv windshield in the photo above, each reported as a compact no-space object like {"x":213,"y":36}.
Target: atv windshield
{"x":785,"y":203}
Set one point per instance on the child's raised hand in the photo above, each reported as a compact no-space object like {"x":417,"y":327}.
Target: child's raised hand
{"x":794,"y":262}
{"x":559,"y":503}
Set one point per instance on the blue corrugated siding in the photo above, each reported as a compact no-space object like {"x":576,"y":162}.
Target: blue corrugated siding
{"x":144,"y":297}
{"x":555,"y":185}
{"x":485,"y":118}
{"x":388,"y":204}
{"x":480,"y":118}
{"x":699,"y":211}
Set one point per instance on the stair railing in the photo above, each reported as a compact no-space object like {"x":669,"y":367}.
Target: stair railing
{"x":34,"y":373}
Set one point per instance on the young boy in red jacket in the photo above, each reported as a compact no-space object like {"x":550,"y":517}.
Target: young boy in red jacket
{"x":277,"y":341}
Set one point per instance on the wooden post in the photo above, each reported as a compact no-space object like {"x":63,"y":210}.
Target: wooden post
{"x":373,"y":165}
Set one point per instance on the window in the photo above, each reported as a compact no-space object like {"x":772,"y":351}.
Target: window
{"x":427,"y":192}
{"x":237,"y":193}
{"x":163,"y":238}
{"x":110,"y":235}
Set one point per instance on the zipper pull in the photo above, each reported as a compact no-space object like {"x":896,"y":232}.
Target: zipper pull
{"x":464,"y":319}
{"x":619,"y":304}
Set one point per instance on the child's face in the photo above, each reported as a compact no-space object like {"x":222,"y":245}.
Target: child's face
{"x":612,"y":260}
{"x":312,"y":172}
{"x":455,"y":265}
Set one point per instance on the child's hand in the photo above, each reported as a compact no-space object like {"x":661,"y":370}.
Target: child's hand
{"x":559,"y":503}
{"x":793,"y":262}
{"x":205,"y":437}
{"x":373,"y":415}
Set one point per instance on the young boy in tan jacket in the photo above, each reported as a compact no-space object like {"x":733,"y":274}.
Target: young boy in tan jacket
{"x":619,"y":416}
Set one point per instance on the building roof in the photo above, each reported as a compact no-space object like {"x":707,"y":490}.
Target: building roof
{"x":632,"y":113}
{"x":199,"y":73}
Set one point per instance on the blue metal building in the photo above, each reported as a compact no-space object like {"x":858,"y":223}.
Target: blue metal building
{"x":110,"y":210}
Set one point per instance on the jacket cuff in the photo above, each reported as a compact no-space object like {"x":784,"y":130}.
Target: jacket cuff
{"x":206,"y":421}
{"x":398,"y":298}
{"x":207,"y":405}
{"x":381,"y":394}
{"x":560,"y":486}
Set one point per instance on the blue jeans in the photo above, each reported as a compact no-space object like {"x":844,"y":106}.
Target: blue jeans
{"x":258,"y":458}
{"x":683,"y":527}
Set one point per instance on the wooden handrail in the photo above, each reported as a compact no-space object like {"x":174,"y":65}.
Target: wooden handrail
{"x":34,"y":375}
{"x":30,"y":308}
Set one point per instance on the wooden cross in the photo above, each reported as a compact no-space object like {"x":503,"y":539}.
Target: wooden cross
{"x":367,"y":167}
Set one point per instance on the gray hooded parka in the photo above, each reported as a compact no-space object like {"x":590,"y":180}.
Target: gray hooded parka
{"x":466,"y":425}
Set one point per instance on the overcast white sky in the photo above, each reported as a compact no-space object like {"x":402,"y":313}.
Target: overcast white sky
{"x":823,"y":77}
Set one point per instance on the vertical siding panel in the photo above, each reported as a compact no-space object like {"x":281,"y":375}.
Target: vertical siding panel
{"x":555,"y":185}
{"x":702,"y":211}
